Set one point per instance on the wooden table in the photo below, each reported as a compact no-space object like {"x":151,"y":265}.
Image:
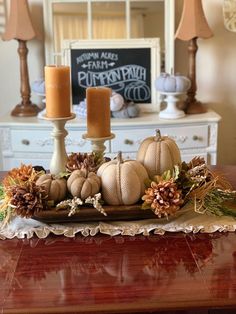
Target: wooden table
{"x":177,"y":273}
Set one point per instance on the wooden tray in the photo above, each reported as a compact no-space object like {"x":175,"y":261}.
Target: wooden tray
{"x":90,"y":214}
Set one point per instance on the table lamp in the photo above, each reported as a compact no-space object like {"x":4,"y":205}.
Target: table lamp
{"x":193,"y":25}
{"x":19,"y":27}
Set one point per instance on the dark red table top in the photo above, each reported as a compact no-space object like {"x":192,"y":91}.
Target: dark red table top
{"x":104,"y":274}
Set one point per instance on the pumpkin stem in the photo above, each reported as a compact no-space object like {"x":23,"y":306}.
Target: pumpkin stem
{"x":157,"y":137}
{"x":119,"y":157}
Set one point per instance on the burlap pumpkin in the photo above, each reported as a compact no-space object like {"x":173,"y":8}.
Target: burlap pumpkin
{"x":55,"y":188}
{"x":158,"y":154}
{"x":122,"y":181}
{"x":83,"y":184}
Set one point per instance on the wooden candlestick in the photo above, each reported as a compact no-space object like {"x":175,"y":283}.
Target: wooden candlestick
{"x":59,"y":157}
{"x":25,"y":108}
{"x":98,"y":145}
{"x":192,"y":105}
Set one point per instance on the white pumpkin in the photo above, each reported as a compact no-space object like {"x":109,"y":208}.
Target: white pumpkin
{"x":158,"y":154}
{"x":116,"y":101}
{"x":130,"y":110}
{"x":172,"y":83}
{"x":123,"y":181}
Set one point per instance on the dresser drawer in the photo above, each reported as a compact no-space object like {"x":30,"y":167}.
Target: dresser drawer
{"x":185,"y":137}
{"x":41,"y":141}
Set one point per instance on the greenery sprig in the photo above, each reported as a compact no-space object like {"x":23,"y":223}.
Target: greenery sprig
{"x":195,"y":183}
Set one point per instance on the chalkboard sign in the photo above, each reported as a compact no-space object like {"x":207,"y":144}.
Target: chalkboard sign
{"x":128,"y":67}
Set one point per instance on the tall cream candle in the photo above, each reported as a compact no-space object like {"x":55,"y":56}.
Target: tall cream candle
{"x":58,"y":91}
{"x":98,"y":112}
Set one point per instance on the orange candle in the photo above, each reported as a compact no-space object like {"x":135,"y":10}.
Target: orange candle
{"x":98,"y":112}
{"x":58,"y":92}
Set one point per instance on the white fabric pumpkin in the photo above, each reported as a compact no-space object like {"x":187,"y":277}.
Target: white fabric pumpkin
{"x":129,"y":110}
{"x":83,"y":184}
{"x":158,"y":154}
{"x":116,"y":102}
{"x":123,"y":182}
{"x":172,"y":83}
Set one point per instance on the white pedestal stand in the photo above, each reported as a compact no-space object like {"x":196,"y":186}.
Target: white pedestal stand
{"x":98,"y":143}
{"x":59,"y":157}
{"x":171,"y":111}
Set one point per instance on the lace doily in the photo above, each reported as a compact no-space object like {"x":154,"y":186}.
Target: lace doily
{"x":187,"y":222}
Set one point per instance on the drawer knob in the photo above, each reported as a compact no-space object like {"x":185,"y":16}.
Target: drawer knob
{"x":25,"y":142}
{"x":128,"y":142}
{"x":196,"y":138}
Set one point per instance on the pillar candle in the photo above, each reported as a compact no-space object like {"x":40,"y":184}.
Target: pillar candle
{"x":98,"y":112}
{"x":58,"y":92}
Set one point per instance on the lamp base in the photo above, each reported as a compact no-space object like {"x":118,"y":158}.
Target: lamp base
{"x":195,"y":107}
{"x":29,"y":110}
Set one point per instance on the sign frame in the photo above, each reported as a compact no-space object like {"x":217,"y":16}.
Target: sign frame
{"x":155,"y":59}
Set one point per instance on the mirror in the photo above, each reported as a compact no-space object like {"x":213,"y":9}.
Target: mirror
{"x":113,"y":19}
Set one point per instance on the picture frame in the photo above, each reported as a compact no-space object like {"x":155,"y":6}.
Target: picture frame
{"x":129,"y":67}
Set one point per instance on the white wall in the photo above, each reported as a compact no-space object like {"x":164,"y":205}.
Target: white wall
{"x":216,"y":71}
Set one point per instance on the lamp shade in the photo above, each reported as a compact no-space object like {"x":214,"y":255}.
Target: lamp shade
{"x":193,"y":22}
{"x":19,"y":25}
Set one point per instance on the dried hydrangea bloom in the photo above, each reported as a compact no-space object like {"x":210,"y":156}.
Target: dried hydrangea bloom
{"x":164,"y":198}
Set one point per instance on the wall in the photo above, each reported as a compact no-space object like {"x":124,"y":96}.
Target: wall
{"x":9,"y":63}
{"x":216,"y":65}
{"x":216,"y":79}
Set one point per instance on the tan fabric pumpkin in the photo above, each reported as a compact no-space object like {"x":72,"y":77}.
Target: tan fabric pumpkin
{"x":83,"y":184}
{"x":158,"y":154}
{"x":122,"y":181}
{"x":55,"y":188}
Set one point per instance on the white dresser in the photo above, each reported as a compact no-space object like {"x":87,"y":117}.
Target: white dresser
{"x":28,"y":140}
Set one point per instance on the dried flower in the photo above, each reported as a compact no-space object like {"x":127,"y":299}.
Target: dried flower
{"x":75,"y":203}
{"x":87,"y":161}
{"x":27,"y":199}
{"x":164,"y":198}
{"x":20,"y":175}
{"x":95,"y":201}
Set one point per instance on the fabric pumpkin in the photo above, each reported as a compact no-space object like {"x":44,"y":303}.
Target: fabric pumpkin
{"x":123,"y":182}
{"x":83,"y":184}
{"x":116,"y":102}
{"x":129,"y":110}
{"x":172,"y":83}
{"x":55,"y":188}
{"x":158,"y":154}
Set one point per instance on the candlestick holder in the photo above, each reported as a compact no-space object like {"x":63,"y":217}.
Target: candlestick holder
{"x":171,"y":111}
{"x":59,"y":157}
{"x":98,"y":145}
